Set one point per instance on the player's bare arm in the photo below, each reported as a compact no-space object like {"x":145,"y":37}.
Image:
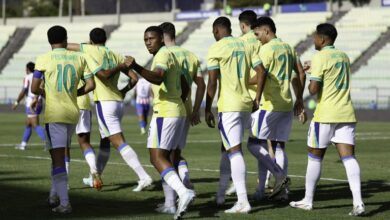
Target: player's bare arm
{"x":200,"y":90}
{"x":314,"y":87}
{"x":211,"y":90}
{"x":36,"y":83}
{"x":155,"y":77}
{"x":185,"y":89}
{"x":261,"y":74}
{"x":298,"y":87}
{"x":88,"y":87}
{"x":73,"y":47}
{"x":21,"y":95}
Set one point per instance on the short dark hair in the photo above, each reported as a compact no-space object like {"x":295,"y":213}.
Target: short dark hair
{"x":155,"y":29}
{"x":98,"y":36}
{"x":223,"y":22}
{"x":248,"y":17}
{"x":169,"y":29}
{"x":57,"y":34}
{"x":328,"y":30}
{"x":265,"y":21}
{"x":30,"y":66}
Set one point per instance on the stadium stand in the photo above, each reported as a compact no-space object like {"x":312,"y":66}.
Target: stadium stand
{"x":13,"y":73}
{"x":357,"y":31}
{"x":5,"y":33}
{"x":371,"y":83}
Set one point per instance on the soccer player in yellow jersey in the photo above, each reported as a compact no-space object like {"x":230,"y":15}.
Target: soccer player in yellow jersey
{"x":83,"y":131}
{"x":334,"y":117}
{"x":109,"y":105}
{"x":229,"y":61}
{"x":190,"y":68}
{"x":61,"y":71}
{"x":169,"y":114}
{"x":273,"y":120}
{"x":246,"y":19}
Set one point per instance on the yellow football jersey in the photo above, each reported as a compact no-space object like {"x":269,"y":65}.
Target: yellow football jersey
{"x":106,"y":90}
{"x":190,"y":67}
{"x":83,"y":102}
{"x":167,"y":96}
{"x":251,"y":40}
{"x":278,"y":59}
{"x":62,"y":70}
{"x":331,"y":67}
{"x":234,"y":59}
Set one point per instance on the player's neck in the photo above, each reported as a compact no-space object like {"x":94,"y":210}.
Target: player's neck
{"x":58,"y":46}
{"x":170,"y":43}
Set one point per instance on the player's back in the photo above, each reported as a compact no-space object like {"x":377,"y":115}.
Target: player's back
{"x":233,"y":58}
{"x":278,"y":59}
{"x":250,"y":39}
{"x":62,"y":70}
{"x":167,"y":96}
{"x":331,"y":67}
{"x":106,"y":90}
{"x":189,"y":65}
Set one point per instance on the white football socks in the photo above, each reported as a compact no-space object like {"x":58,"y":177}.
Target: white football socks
{"x":281,"y":158}
{"x":131,"y":158}
{"x":224,"y":174}
{"x":313,"y":173}
{"x":353,"y":173}
{"x":169,"y":194}
{"x":90,"y":157}
{"x":237,"y":166}
{"x":172,"y":179}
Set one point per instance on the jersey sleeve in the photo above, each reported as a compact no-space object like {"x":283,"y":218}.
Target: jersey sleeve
{"x":161,"y":60}
{"x":118,"y":58}
{"x":266,"y":57}
{"x":40,"y":63}
{"x":317,"y":73}
{"x":252,"y":51}
{"x":91,"y":66}
{"x":213,"y":58}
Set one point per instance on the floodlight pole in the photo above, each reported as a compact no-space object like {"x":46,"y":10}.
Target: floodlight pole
{"x":70,"y":11}
{"x":82,"y":3}
{"x":3,"y":12}
{"x":60,"y":8}
{"x":275,"y":7}
{"x":118,"y":11}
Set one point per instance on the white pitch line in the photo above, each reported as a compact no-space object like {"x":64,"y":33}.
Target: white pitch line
{"x":189,"y":141}
{"x":150,"y":166}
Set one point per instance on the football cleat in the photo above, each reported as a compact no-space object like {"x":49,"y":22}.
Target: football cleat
{"x":239,"y":207}
{"x":357,"y":210}
{"x":301,"y":205}
{"x":142,"y":184}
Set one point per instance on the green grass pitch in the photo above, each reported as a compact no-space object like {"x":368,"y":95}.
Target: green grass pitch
{"x":24,"y":178}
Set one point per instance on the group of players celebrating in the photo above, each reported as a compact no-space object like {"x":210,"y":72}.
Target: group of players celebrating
{"x":253,"y":74}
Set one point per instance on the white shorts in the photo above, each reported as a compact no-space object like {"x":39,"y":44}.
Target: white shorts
{"x":165,"y":133}
{"x":320,"y":135}
{"x":109,"y":115}
{"x":184,"y":134}
{"x":275,"y":126}
{"x":85,"y":122}
{"x":231,"y":126}
{"x":59,"y":135}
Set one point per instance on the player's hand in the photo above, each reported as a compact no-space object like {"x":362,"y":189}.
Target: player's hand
{"x":209,"y":117}
{"x":129,"y":61}
{"x":256,"y":104}
{"x":15,"y":105}
{"x":34,"y":105}
{"x":307,"y":66}
{"x":302,"y":117}
{"x":298,"y":107}
{"x":195,"y":118}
